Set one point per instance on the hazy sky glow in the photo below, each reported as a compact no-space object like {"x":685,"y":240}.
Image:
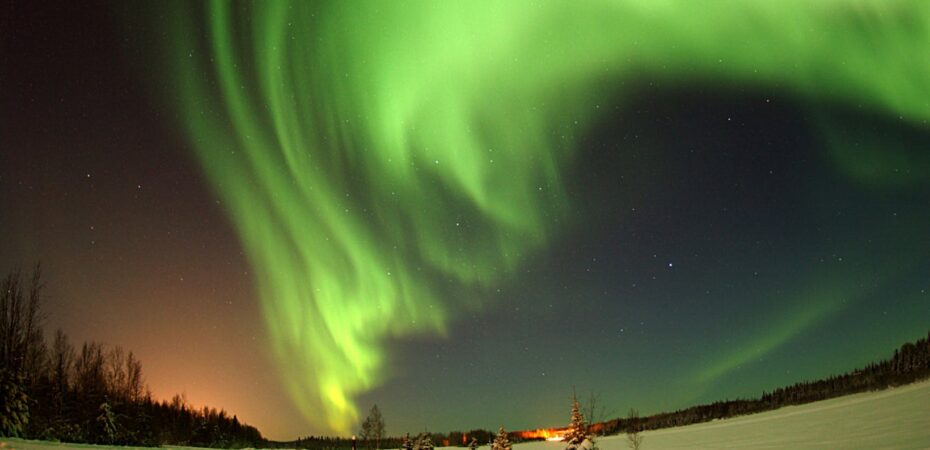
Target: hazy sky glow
{"x":459,"y":210}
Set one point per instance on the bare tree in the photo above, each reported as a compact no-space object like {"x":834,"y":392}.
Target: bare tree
{"x":90,"y":371}
{"x":596,"y":413}
{"x":364,"y":434}
{"x":633,"y":436}
{"x":21,"y":344}
{"x":62,"y":364}
{"x":373,"y":428}
{"x":116,"y":375}
{"x":62,"y":359}
{"x":377,"y":425}
{"x":135,"y":385}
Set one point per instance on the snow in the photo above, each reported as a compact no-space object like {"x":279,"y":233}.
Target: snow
{"x":21,"y":444}
{"x":890,"y":419}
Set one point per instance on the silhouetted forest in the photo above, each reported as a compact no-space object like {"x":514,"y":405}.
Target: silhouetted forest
{"x":454,"y":438}
{"x":94,"y":394}
{"x":908,"y":364}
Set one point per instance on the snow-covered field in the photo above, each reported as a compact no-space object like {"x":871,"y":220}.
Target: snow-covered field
{"x":20,"y":444}
{"x":890,"y":419}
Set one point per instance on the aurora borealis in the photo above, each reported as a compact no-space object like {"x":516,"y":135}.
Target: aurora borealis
{"x":690,"y":200}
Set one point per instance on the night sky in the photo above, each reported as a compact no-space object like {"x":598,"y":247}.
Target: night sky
{"x":462,"y":211}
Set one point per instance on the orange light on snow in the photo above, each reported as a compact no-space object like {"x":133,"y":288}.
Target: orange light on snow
{"x":549,"y":434}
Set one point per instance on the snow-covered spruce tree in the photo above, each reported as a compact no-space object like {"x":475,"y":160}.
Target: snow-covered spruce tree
{"x":106,"y":421}
{"x":577,"y":429}
{"x":407,"y":444}
{"x":501,"y":442}
{"x":21,"y":347}
{"x":424,"y":442}
{"x":14,"y":404}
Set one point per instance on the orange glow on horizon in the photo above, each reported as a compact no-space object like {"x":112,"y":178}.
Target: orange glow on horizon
{"x":549,"y":434}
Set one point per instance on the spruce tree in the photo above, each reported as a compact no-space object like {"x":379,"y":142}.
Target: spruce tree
{"x":14,"y":409}
{"x":424,"y":442}
{"x":501,"y":442}
{"x":106,"y":422}
{"x":408,"y":444}
{"x":577,"y":429}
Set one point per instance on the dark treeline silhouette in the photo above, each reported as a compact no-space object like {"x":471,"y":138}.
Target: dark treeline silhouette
{"x":94,"y":394}
{"x":451,"y":439}
{"x":908,"y":364}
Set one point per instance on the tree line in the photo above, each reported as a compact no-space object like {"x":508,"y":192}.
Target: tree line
{"x":93,"y":394}
{"x":907,"y":364}
{"x":451,"y":439}
{"x":372,"y":436}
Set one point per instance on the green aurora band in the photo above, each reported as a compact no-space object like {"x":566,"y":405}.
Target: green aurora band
{"x":366,"y":149}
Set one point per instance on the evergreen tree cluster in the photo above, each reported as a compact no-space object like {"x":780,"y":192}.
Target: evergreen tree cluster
{"x":342,"y":443}
{"x":452,"y":439}
{"x":93,"y":395}
{"x":316,"y":443}
{"x":908,"y":364}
